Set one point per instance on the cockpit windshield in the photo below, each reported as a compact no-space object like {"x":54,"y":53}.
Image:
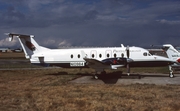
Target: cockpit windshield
{"x":146,"y":54}
{"x":178,"y":49}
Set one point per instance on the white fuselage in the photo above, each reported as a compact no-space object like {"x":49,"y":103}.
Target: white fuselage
{"x":96,"y":58}
{"x":73,"y":57}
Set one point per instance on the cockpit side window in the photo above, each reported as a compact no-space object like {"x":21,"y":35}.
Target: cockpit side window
{"x":145,"y":53}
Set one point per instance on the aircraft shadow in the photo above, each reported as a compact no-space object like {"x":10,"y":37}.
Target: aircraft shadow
{"x":65,"y":73}
{"x":112,"y":78}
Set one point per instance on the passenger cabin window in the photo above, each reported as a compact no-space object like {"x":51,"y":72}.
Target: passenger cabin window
{"x":108,"y":55}
{"x":71,"y":56}
{"x":92,"y":55}
{"x":122,"y":55}
{"x":78,"y":55}
{"x":100,"y":55}
{"x":115,"y":55}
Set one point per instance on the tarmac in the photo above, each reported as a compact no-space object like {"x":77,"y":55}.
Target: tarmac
{"x":14,"y":61}
{"x":146,"y":78}
{"x":117,"y":78}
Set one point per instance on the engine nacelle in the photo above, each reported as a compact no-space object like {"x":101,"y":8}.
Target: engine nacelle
{"x":115,"y":61}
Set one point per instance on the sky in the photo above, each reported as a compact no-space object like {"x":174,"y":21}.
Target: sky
{"x":91,"y":23}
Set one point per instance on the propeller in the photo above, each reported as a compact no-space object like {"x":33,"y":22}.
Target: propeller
{"x":127,"y":52}
{"x":128,"y":60}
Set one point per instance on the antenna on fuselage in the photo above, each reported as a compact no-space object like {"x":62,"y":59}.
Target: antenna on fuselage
{"x":122,"y":45}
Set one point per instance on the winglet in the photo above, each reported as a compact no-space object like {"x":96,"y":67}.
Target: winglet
{"x":11,"y":35}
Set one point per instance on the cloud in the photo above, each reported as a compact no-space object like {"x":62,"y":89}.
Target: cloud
{"x":34,"y":5}
{"x":6,"y":43}
{"x":64,"y":43}
{"x":174,"y":22}
{"x":92,"y":23}
{"x":49,"y":42}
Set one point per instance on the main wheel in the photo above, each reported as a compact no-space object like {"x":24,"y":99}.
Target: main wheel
{"x":95,"y":76}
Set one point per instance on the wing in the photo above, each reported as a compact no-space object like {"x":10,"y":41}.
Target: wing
{"x":110,"y":63}
{"x":95,"y":64}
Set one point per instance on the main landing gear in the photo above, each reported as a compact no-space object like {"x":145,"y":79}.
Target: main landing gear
{"x":171,"y":75}
{"x":96,"y":75}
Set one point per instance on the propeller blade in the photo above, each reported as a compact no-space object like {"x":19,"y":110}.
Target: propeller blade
{"x":127,"y":51}
{"x":128,"y":54}
{"x":128,"y":70}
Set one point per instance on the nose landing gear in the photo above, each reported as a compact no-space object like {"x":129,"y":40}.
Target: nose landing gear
{"x":171,"y":75}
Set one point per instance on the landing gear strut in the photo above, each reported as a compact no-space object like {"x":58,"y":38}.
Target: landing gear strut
{"x":95,"y":76}
{"x":101,"y":73}
{"x":171,"y":75}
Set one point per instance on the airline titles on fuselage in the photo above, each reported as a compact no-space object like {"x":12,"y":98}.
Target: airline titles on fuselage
{"x":115,"y":51}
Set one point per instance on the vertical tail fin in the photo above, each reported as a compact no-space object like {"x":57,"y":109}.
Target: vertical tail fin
{"x":172,"y":53}
{"x":29,"y":45}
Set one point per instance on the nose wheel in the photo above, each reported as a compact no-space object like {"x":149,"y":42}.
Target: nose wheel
{"x":171,"y":75}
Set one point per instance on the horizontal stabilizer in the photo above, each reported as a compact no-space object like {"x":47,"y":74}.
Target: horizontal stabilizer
{"x":11,"y":35}
{"x":29,"y":45}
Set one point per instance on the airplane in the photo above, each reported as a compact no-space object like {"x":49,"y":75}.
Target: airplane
{"x":99,"y":58}
{"x":172,"y":54}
